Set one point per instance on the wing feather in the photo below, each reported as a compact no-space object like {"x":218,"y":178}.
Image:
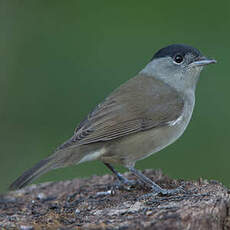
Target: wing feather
{"x":140,"y":104}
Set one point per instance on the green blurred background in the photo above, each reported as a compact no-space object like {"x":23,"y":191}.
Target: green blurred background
{"x":58,"y":59}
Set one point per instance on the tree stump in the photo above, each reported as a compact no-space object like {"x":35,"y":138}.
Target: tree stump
{"x":94,"y":203}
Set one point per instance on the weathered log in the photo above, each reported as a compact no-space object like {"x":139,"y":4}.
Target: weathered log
{"x":94,"y":204}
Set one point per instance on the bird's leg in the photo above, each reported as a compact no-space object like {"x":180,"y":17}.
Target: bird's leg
{"x":119,"y":176}
{"x":156,"y":188}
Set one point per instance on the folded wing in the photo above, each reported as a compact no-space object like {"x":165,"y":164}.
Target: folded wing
{"x":140,"y":104}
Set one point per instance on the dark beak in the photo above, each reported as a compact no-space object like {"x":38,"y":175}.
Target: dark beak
{"x":201,"y":61}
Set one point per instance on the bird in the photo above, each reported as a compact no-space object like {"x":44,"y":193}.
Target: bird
{"x":141,"y":117}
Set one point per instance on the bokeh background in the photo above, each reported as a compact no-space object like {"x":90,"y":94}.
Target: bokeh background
{"x":58,"y":59}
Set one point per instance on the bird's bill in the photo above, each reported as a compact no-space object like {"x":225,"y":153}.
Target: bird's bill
{"x":203,"y":61}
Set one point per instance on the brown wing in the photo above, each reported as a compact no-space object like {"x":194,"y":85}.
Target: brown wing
{"x":140,"y":104}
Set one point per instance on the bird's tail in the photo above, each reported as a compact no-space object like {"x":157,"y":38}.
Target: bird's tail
{"x":58,"y":159}
{"x":31,"y":174}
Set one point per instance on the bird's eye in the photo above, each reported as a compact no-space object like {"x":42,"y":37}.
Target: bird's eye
{"x":178,"y":59}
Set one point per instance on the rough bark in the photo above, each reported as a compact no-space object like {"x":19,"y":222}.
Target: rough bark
{"x":94,"y":204}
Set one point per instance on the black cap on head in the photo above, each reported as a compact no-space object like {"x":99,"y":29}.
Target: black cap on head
{"x":172,"y":50}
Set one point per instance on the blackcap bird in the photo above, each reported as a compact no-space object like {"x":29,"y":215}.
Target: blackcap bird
{"x":141,"y":117}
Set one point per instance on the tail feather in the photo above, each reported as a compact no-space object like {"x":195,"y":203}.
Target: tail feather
{"x":61,"y":158}
{"x":40,"y":168}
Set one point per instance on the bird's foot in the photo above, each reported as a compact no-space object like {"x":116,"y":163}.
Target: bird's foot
{"x":125,"y":184}
{"x":164,"y":192}
{"x":168,"y":192}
